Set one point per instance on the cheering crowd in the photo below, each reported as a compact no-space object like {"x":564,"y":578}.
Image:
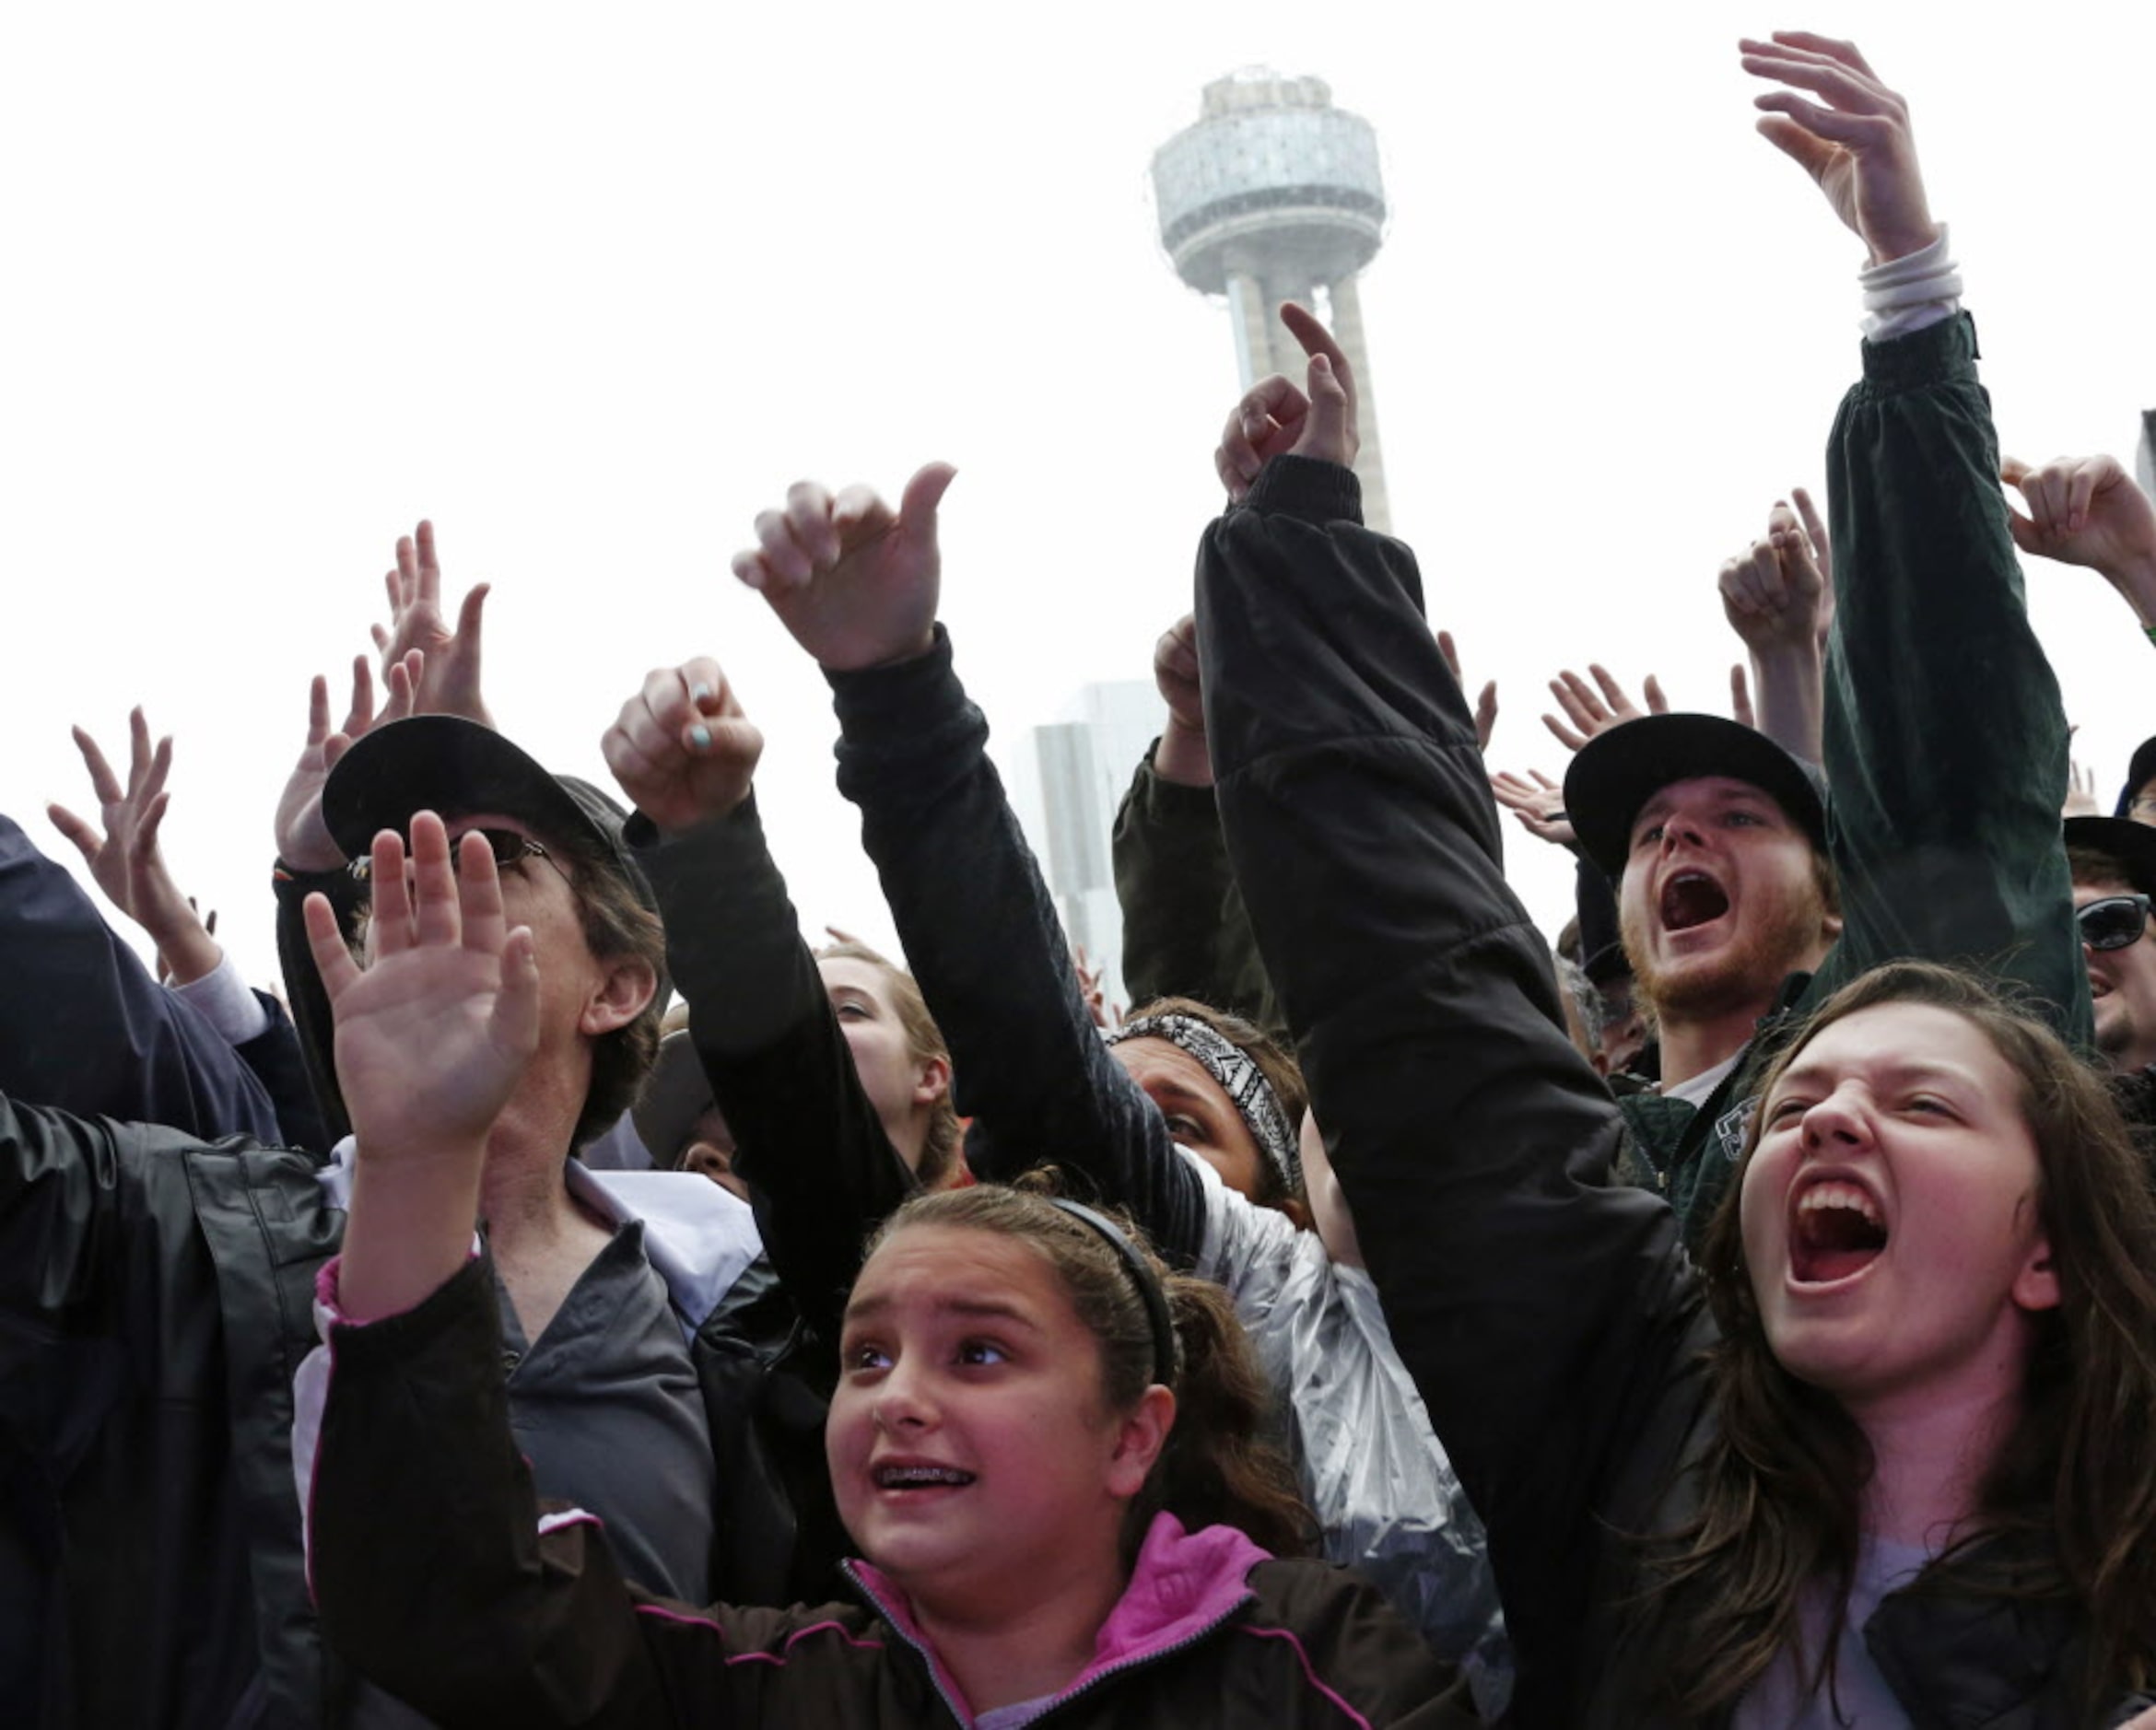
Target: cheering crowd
{"x":573,"y":1300}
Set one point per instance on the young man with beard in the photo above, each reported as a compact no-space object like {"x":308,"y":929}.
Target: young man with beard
{"x":1716,"y":840}
{"x":1729,"y":869}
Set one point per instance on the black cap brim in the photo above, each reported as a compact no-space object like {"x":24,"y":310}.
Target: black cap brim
{"x":457,"y":769}
{"x":2139,"y":773}
{"x":1620,"y":770}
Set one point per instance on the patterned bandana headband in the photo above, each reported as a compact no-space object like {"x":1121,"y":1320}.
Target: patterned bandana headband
{"x":1240,"y":1078}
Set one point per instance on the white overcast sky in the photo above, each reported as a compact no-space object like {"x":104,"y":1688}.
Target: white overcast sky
{"x":590,"y":286}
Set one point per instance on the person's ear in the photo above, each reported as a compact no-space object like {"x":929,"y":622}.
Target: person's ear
{"x":2036,"y":1286}
{"x":933,"y":1081}
{"x":624,"y":991}
{"x":1140,"y":1438}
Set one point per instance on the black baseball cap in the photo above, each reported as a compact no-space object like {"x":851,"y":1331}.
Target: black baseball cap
{"x":2139,"y":773}
{"x":1619,"y":771}
{"x":454,"y":767}
{"x":2128,"y":845}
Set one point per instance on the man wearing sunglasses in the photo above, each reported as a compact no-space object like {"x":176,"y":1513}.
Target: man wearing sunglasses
{"x":640,"y":1325}
{"x":2113,"y":864}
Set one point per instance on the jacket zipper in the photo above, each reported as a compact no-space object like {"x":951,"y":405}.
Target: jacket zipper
{"x":1123,"y":1667}
{"x":1140,"y":1660}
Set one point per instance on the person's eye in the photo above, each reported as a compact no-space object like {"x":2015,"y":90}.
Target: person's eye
{"x":1743,"y":819}
{"x":851,"y":1011}
{"x":865,"y":1355}
{"x":980,"y":1352}
{"x":1185,"y":1129}
{"x":1646,"y":837}
{"x":1931,"y":1105}
{"x":1785,"y":1110}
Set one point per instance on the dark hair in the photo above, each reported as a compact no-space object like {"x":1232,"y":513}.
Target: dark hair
{"x":1275,"y":1062}
{"x":2087,"y":865}
{"x":1218,"y":1467}
{"x":1781,"y":1480}
{"x":925,"y":1039}
{"x":617,"y":926}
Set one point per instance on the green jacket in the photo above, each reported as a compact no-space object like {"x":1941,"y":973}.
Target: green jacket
{"x":1945,"y":742}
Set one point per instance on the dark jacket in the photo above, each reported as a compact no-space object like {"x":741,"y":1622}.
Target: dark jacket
{"x":154,"y":1305}
{"x":90,"y":1461}
{"x":1944,"y":739}
{"x":1185,"y":932}
{"x":1044,"y":1091}
{"x":442,"y":1584}
{"x":1552,"y":1321}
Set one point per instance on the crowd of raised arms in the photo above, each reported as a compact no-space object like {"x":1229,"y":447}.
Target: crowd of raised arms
{"x":1745,"y":1316}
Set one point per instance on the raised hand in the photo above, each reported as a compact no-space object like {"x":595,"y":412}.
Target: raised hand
{"x":1591,"y":711}
{"x":1537,"y":802}
{"x":681,"y":749}
{"x":123,"y":856}
{"x":1182,"y":755}
{"x":449,"y":685}
{"x":1485,"y":705}
{"x":1107,"y":1016}
{"x":1854,"y":141}
{"x":1773,"y":594}
{"x":1275,"y":417}
{"x":2080,"y":800}
{"x":854,"y":582}
{"x":303,"y":839}
{"x":2089,"y":510}
{"x":1741,"y":709}
{"x":434,"y":1034}
{"x":1822,"y":556}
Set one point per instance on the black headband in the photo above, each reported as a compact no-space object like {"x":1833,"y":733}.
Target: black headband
{"x":1141,"y":1276}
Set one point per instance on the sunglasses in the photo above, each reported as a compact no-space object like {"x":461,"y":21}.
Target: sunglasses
{"x":2114,"y":922}
{"x":507,"y":846}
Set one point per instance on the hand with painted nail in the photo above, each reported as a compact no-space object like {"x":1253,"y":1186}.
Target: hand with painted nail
{"x":682,"y":750}
{"x":2089,"y":510}
{"x":1854,"y":140}
{"x":1276,"y":417}
{"x":853,"y":581}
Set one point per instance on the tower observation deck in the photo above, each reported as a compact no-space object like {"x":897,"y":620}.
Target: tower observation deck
{"x":1275,"y":195}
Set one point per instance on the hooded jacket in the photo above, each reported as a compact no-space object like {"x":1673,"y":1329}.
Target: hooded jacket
{"x":451,"y":1588}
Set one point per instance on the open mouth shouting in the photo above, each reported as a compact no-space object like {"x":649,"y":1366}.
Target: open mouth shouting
{"x":1837,"y":1229}
{"x":1690,"y":898}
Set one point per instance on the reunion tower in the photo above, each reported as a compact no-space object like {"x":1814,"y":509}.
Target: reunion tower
{"x":1274,"y":195}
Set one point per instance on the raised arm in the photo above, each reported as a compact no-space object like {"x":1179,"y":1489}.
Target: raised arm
{"x":2089,"y":511}
{"x":1185,"y":933}
{"x":1945,"y":745}
{"x":309,"y":863}
{"x":857,"y":586}
{"x":1473,"y":1141}
{"x":823,"y":1172}
{"x":1777,"y":597}
{"x":85,"y":1027}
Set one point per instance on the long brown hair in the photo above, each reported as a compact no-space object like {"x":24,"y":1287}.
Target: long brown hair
{"x":1217,"y":1468}
{"x":2075,"y":1480}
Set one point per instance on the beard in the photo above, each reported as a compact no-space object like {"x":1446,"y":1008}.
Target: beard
{"x":1790,"y":936}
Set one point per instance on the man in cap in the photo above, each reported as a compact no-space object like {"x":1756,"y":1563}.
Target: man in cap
{"x":1715,"y":839}
{"x":2113,"y":866}
{"x":182,"y":1272}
